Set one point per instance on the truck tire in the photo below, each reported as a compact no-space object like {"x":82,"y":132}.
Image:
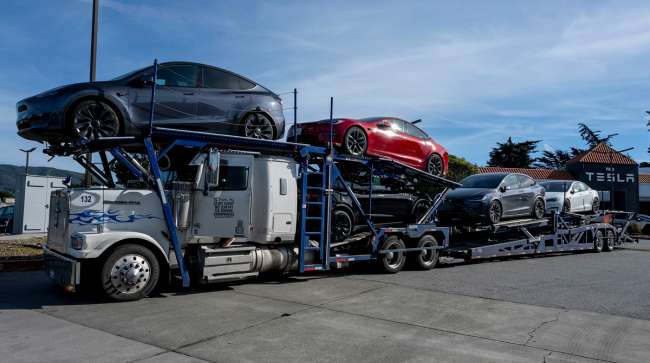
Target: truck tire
{"x":426,"y":259}
{"x":610,"y":240}
{"x":130,"y":272}
{"x":599,"y":240}
{"x":392,"y":262}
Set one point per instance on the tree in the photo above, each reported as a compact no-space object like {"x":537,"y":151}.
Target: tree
{"x":6,"y":194}
{"x":460,"y":168}
{"x":556,"y":159}
{"x":593,"y":137}
{"x":513,"y":154}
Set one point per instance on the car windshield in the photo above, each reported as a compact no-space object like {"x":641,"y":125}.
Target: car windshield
{"x":556,"y":186}
{"x":482,"y":181}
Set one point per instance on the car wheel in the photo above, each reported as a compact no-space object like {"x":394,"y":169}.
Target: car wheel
{"x":599,"y":240}
{"x":435,"y":165}
{"x":566,"y":208}
{"x":355,"y":141}
{"x":495,"y":212}
{"x":258,"y":126}
{"x":91,"y":119}
{"x":341,"y":226}
{"x":130,"y":272}
{"x":610,"y":240}
{"x":392,"y":262}
{"x":426,"y":259}
{"x":420,"y":209}
{"x":538,"y":209}
{"x":595,"y":205}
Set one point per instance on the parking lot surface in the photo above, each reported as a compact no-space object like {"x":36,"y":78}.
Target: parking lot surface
{"x":570,"y":308}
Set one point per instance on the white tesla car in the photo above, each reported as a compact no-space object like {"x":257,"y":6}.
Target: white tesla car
{"x":570,"y":196}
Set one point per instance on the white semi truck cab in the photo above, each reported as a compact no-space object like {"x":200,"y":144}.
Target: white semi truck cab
{"x":238,"y":217}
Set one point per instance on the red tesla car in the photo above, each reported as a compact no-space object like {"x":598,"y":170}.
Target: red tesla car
{"x":379,"y":136}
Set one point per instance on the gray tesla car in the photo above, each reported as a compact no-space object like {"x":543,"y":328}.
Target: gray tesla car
{"x":189,"y":96}
{"x":492,"y":197}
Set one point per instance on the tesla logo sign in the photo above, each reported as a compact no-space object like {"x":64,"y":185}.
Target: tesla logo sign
{"x":610,"y":177}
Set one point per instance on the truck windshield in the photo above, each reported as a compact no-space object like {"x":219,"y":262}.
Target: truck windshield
{"x":482,"y":181}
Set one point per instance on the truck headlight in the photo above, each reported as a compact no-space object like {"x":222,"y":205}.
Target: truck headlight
{"x":77,"y":242}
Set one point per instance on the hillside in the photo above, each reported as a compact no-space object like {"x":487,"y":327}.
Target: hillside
{"x":10,"y":174}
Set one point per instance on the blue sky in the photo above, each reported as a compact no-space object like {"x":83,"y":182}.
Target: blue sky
{"x":475,"y":72}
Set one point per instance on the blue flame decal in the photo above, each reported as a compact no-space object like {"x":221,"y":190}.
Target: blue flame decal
{"x":90,"y":217}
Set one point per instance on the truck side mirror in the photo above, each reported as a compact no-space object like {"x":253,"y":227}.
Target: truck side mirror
{"x":212,"y":174}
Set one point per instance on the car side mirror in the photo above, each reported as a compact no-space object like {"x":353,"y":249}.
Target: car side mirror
{"x":503,"y":188}
{"x":572,"y":191}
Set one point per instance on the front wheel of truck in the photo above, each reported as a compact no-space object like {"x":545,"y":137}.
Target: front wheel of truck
{"x":130,"y":272}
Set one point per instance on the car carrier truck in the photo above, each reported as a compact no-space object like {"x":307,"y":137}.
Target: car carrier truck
{"x":206,"y":208}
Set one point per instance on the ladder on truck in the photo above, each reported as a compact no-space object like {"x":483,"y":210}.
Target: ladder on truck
{"x":315,"y":202}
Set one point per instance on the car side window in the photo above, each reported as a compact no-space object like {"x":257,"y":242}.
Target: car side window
{"x":415,"y":131}
{"x":510,"y":181}
{"x":525,"y":181}
{"x":576,"y":187}
{"x":583,"y":187}
{"x":178,"y":75}
{"x":232,"y":178}
{"x":214,"y":78}
{"x":396,"y":125}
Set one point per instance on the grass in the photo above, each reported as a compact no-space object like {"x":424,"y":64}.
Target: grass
{"x":22,"y":248}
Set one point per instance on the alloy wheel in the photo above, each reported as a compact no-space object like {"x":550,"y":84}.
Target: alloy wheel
{"x":356,"y":141}
{"x":595,"y":205}
{"x":258,"y":126}
{"x":94,"y":119}
{"x":342,"y":226}
{"x":539,"y":209}
{"x":434,"y":165}
{"x":495,"y":212}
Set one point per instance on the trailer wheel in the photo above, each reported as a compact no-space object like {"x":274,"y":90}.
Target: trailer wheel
{"x":130,"y":272}
{"x":599,"y":241}
{"x":426,"y":259}
{"x":610,"y":240}
{"x":392,"y":262}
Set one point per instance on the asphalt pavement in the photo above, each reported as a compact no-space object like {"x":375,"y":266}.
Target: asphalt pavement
{"x":570,"y":308}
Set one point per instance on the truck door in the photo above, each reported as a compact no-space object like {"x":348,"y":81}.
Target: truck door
{"x":226,"y":211}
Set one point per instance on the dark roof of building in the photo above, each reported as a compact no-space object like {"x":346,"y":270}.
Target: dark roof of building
{"x":602,"y":154}
{"x":644,"y":178}
{"x":537,"y":174}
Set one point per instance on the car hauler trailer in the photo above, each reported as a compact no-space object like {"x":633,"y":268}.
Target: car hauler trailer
{"x":211,"y":208}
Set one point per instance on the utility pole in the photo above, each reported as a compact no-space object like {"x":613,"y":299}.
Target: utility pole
{"x":88,"y":179}
{"x":27,"y":152}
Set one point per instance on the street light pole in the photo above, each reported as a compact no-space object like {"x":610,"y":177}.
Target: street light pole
{"x":27,"y":152}
{"x":88,"y":179}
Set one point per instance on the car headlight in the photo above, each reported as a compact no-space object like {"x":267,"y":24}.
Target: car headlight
{"x":77,"y":242}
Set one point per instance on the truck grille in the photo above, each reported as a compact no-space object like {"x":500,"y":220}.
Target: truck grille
{"x":58,"y":222}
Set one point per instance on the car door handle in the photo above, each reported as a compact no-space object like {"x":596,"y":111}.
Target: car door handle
{"x":239,"y":96}
{"x":188,"y":93}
